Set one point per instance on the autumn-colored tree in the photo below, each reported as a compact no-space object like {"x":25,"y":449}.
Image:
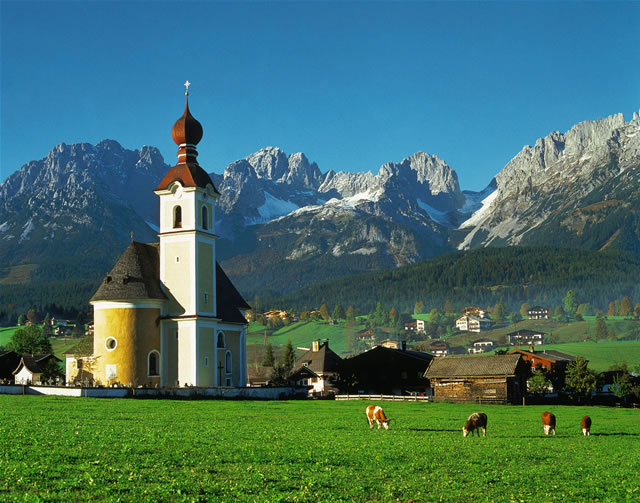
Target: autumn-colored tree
{"x":626,"y":308}
{"x":418,"y":307}
{"x":636,"y":310}
{"x":617,"y":306}
{"x":350,"y":317}
{"x":32,"y":315}
{"x":448,"y":307}
{"x":324,"y":312}
{"x":524,"y":309}
{"x":601,"y":329}
{"x":612,"y":309}
{"x":393,"y":315}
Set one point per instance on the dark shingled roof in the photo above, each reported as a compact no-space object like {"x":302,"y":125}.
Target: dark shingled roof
{"x":34,"y":363}
{"x":228,"y":299}
{"x":547,"y":354}
{"x":321,"y":361}
{"x":135,"y":275}
{"x":473,"y":366}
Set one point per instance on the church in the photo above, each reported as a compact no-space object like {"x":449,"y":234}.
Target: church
{"x":167,"y":314}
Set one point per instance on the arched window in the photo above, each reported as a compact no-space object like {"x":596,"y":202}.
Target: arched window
{"x":153,"y":364}
{"x":220,"y":340}
{"x":177,"y":217}
{"x":227,"y":362}
{"x":205,"y":218}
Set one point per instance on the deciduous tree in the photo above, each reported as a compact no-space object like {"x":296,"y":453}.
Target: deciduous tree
{"x":570,"y":303}
{"x":626,"y":308}
{"x":418,"y":307}
{"x":580,"y":380}
{"x":29,"y":340}
{"x":538,"y":383}
{"x":324,"y":312}
{"x":338,"y":312}
{"x":524,"y":309}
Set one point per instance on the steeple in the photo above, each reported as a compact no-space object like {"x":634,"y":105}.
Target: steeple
{"x":187,"y":133}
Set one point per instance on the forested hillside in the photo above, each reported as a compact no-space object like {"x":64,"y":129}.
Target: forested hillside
{"x":480,"y":277}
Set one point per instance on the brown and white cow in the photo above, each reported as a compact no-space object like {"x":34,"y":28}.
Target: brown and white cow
{"x":585,"y":424}
{"x":376,"y":414}
{"x":475,"y":422}
{"x":548,"y":423}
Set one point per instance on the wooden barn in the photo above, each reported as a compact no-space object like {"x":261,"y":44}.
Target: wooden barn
{"x":500,"y":379}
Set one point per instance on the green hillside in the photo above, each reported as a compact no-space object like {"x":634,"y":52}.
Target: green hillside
{"x":480,"y":277}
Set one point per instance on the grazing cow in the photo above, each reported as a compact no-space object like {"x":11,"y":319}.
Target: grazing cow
{"x":585,"y":424}
{"x":548,"y":423}
{"x":375,"y":413}
{"x":476,"y":421}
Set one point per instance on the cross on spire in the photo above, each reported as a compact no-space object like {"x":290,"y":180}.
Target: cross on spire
{"x":187,"y":84}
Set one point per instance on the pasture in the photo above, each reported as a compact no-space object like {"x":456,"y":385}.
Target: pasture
{"x":66,"y":449}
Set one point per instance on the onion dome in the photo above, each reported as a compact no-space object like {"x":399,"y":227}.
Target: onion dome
{"x":187,"y":132}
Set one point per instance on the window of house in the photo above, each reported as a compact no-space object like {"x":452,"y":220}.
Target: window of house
{"x":153,"y":365}
{"x":177,"y":217}
{"x":205,"y":218}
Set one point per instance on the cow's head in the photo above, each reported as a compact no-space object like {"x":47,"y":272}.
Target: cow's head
{"x":465,"y":432}
{"x":386,"y":424}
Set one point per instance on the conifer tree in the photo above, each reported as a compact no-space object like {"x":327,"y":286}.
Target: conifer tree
{"x":288,"y":356}
{"x":338,"y":312}
{"x":47,"y":330}
{"x":269,"y":358}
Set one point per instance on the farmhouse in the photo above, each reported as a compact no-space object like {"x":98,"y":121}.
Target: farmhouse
{"x":439,"y":348}
{"x":325,"y":365}
{"x":525,"y":337}
{"x":387,"y":371}
{"x":554,"y":362}
{"x":476,"y":311}
{"x":481,"y":346}
{"x":167,"y":314}
{"x":538,"y":313}
{"x":30,"y":368}
{"x":473,"y":323}
{"x":414,"y":326}
{"x":501,"y":378}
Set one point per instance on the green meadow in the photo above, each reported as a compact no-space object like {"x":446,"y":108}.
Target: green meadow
{"x":77,"y":449}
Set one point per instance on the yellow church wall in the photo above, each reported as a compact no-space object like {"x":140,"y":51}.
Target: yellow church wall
{"x":178,"y":262}
{"x":187,"y":353}
{"x":232,"y":343}
{"x":136,"y":332}
{"x":206,"y":357}
{"x":205,"y":278}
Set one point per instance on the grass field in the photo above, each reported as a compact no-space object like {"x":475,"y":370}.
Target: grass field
{"x":76,"y":449}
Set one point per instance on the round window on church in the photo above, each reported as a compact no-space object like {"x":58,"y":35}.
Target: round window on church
{"x":110,"y":343}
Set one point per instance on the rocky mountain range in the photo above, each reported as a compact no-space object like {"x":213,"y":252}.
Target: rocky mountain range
{"x":283,"y":223}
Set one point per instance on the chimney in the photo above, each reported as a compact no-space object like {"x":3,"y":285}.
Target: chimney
{"x":404,"y":345}
{"x":315,"y":345}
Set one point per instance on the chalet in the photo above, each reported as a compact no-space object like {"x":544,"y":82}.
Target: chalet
{"x":30,"y":368}
{"x":439,"y":348}
{"x":473,"y":323}
{"x":554,"y":362}
{"x":414,"y":326}
{"x":386,"y":371}
{"x":525,"y":337}
{"x":538,"y":313}
{"x":500,"y":378}
{"x":367,"y":336}
{"x":9,"y":361}
{"x":388,"y":343}
{"x":481,"y":346}
{"x":324,"y":363}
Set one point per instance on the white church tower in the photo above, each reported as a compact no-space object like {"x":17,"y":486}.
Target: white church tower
{"x":200,"y":345}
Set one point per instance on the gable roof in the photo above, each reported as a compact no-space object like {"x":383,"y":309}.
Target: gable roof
{"x":34,"y":363}
{"x":135,"y":276}
{"x":322,"y":361}
{"x":546,"y":354}
{"x":473,"y":366}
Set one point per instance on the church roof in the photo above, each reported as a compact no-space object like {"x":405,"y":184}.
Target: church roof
{"x":228,"y":299}
{"x":135,"y":275}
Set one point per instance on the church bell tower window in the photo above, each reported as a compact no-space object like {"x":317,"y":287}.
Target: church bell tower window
{"x":177,"y":217}
{"x":205,"y":218}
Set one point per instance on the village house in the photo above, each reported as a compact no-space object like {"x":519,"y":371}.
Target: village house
{"x":31,"y":367}
{"x":325,"y":366}
{"x":538,"y":313}
{"x":414,"y":326}
{"x":473,"y":323}
{"x":439,"y":348}
{"x":476,"y":311}
{"x":386,"y":370}
{"x":367,"y":337}
{"x":554,"y":362}
{"x":525,"y":337}
{"x":481,"y":346}
{"x":499,"y":379}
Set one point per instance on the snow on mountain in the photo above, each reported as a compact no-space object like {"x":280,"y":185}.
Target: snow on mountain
{"x":271,"y":209}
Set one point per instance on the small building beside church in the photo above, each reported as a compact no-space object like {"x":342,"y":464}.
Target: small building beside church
{"x":167,"y":314}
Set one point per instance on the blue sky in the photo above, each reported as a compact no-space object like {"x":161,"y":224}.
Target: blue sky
{"x":351,"y":84}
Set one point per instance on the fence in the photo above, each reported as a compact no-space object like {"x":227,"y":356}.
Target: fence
{"x":387,"y":398}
